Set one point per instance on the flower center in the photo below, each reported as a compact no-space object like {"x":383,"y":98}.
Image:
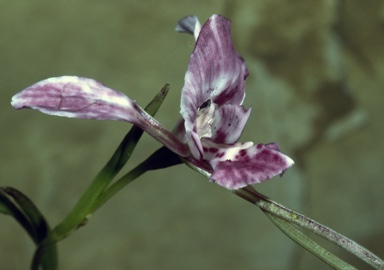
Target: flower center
{"x":204,"y":119}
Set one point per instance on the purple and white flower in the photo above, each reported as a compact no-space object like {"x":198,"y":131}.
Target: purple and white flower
{"x":211,"y":106}
{"x":213,"y":117}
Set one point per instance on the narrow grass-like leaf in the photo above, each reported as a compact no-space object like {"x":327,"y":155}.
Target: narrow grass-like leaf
{"x":310,"y":245}
{"x":32,"y":220}
{"x":35,"y":217}
{"x":10,"y":208}
{"x":162,"y":158}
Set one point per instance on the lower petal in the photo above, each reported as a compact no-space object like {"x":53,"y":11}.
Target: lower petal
{"x":248,"y":166}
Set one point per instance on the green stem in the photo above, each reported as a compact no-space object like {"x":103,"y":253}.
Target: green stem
{"x":46,"y":256}
{"x":117,"y":186}
{"x":160,"y":159}
{"x":266,"y":204}
{"x":288,"y":229}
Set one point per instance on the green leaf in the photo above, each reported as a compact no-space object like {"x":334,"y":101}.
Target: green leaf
{"x":10,"y":208}
{"x":33,"y":214}
{"x":161,"y":158}
{"x":310,"y":245}
{"x":32,"y":220}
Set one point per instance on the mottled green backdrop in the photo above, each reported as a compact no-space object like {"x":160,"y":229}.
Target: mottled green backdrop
{"x":316,"y":87}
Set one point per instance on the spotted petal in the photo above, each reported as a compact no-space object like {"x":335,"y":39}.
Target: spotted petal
{"x":245,"y":164}
{"x":78,"y":97}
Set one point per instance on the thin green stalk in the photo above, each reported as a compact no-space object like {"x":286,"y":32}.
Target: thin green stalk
{"x":266,"y":204}
{"x":117,"y":186}
{"x":161,"y":158}
{"x":292,"y":232}
{"x":46,"y":256}
{"x":82,"y":209}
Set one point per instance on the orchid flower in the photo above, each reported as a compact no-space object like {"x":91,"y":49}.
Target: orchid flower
{"x":213,"y":117}
{"x":211,"y":106}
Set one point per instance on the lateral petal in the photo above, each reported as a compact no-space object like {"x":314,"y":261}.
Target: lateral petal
{"x":78,"y":97}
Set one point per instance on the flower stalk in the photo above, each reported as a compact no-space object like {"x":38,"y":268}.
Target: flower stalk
{"x":293,"y":217}
{"x":300,"y":238}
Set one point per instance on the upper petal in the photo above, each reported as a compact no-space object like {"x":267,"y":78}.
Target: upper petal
{"x":215,"y":71}
{"x":237,"y":166}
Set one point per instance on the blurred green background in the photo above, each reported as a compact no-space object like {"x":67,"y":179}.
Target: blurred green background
{"x":315,"y":85}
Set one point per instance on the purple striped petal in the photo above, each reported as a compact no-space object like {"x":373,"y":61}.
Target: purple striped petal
{"x":215,"y":72}
{"x":245,"y":164}
{"x":189,"y":25}
{"x":78,"y":97}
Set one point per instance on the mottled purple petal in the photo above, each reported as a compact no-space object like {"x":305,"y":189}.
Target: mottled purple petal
{"x":215,"y":71}
{"x":240,"y":165}
{"x":190,"y":25}
{"x":228,"y":124}
{"x":78,"y":97}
